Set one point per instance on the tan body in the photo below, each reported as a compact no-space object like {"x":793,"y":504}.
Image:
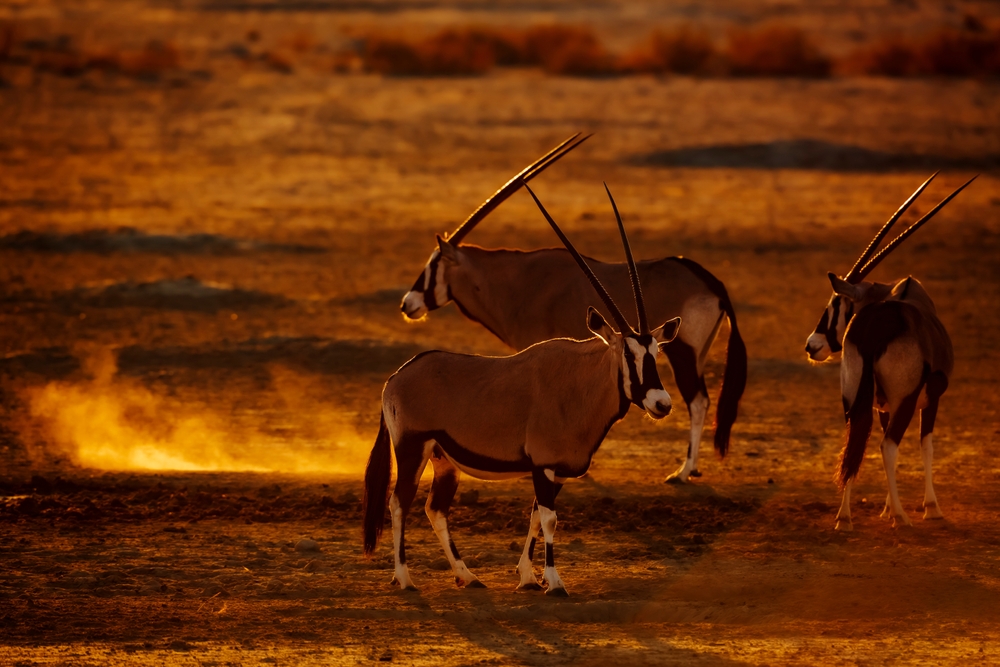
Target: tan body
{"x":492,"y":285}
{"x":524,"y":297}
{"x":507,"y":409}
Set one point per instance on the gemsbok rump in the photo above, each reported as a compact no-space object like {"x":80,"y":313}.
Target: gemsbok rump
{"x":527,"y":297}
{"x":895,"y":352}
{"x":541,"y":412}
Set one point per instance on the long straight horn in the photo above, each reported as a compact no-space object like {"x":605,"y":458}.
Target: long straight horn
{"x":874,"y":261}
{"x":854,"y":275}
{"x":623,"y":325}
{"x":640,"y":306}
{"x":512,"y":186}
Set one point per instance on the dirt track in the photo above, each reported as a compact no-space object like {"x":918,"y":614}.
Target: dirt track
{"x":245,"y":322}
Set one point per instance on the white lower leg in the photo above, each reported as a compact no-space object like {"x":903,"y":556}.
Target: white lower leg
{"x":697,"y":411}
{"x":844,"y":515}
{"x":524,"y":569}
{"x":463,"y":577}
{"x":402,"y":573}
{"x":551,"y":576}
{"x":890,"y":453}
{"x":931,"y":508}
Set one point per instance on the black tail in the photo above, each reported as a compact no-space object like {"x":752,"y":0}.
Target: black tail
{"x":734,"y":379}
{"x":859,"y":422}
{"x":376,"y":496}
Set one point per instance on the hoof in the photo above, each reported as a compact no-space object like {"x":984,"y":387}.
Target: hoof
{"x":844,"y":525}
{"x":695,"y":473}
{"x":932,"y":512}
{"x":557,"y":592}
{"x":901,"y":522}
{"x":475,"y":583}
{"x":534,"y":586}
{"x":675,"y":479}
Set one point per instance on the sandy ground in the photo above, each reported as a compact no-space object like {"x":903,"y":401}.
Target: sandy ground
{"x":199,"y":287}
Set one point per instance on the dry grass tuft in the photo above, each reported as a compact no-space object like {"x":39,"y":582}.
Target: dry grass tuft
{"x":62,"y":57}
{"x":775,"y":51}
{"x":952,"y":53}
{"x":474,"y":51}
{"x":685,"y":49}
{"x":567,"y":50}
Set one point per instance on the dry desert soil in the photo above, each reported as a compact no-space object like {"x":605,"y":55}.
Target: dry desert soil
{"x":199,"y":284}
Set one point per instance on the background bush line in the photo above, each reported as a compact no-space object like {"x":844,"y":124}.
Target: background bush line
{"x":771,"y":50}
{"x":767,"y":51}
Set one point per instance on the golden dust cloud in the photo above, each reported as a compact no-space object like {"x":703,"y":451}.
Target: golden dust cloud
{"x":110,"y":422}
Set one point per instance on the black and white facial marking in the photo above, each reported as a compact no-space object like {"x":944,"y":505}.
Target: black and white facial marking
{"x":429,"y":292}
{"x":641,"y":382}
{"x":828,"y":337}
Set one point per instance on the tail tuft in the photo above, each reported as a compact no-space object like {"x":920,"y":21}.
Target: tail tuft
{"x":376,"y":495}
{"x":859,"y":424}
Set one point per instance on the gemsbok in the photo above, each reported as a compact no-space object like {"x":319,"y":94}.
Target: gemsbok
{"x":527,"y":297}
{"x":541,"y":412}
{"x":895,"y":352}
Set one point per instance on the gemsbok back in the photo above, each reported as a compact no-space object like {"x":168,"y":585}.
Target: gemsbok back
{"x":541,"y":412}
{"x":897,"y":353}
{"x":527,"y":297}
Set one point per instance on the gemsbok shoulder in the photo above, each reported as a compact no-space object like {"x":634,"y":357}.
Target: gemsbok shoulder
{"x":897,"y":353}
{"x":541,"y":412}
{"x":526,"y":297}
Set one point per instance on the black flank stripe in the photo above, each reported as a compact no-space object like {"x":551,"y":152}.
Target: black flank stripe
{"x":831,"y":333}
{"x":429,"y":299}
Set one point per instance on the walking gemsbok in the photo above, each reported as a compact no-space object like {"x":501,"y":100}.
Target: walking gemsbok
{"x":527,"y":297}
{"x":895,"y":352}
{"x":541,"y":412}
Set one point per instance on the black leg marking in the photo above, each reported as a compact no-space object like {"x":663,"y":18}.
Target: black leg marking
{"x":550,"y":555}
{"x":684,"y":361}
{"x":545,"y":489}
{"x":883,"y":418}
{"x":937,"y":383}
{"x":402,"y":545}
{"x":454,"y":549}
{"x":531,"y":549}
{"x":928,"y":416}
{"x":899,"y":422}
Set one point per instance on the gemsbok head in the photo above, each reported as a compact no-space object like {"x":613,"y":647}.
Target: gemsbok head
{"x":896,"y":353}
{"x":527,"y":297}
{"x":541,"y":412}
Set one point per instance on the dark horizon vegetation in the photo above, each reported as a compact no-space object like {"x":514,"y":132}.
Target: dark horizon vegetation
{"x":560,"y":49}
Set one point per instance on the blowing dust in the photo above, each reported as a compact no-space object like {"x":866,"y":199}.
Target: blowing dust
{"x":111,"y":422}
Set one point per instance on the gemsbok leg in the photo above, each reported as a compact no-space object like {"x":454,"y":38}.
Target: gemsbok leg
{"x":936,"y":385}
{"x":410,"y":462}
{"x":528,"y":580}
{"x":439,"y":500}
{"x":687,"y":354}
{"x":899,"y":420}
{"x":547,"y":487}
{"x":691,"y":384}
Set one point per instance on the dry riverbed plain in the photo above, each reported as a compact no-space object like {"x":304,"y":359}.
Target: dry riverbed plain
{"x":199,"y":288}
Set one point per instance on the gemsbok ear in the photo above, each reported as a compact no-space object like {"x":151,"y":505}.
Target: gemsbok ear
{"x":844,"y":288}
{"x":448,"y":251}
{"x":668,"y":331}
{"x":597,"y":325}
